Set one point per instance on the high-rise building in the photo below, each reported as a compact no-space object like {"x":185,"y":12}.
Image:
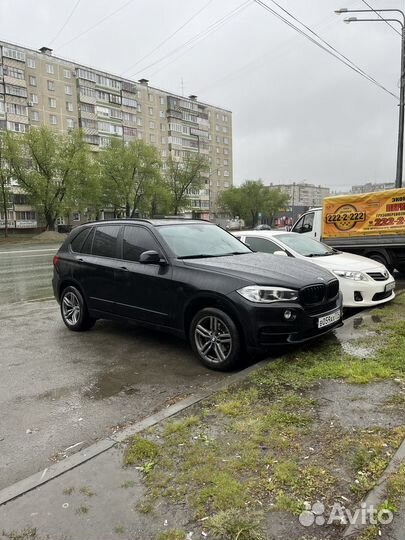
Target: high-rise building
{"x":38,"y":88}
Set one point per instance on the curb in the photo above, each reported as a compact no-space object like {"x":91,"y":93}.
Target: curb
{"x":42,"y":477}
{"x":377,"y":494}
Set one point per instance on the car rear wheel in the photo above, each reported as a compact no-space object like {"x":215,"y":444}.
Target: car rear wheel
{"x":215,"y":339}
{"x":74,"y":310}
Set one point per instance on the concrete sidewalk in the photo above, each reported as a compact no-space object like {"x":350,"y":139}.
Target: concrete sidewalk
{"x":101,"y":499}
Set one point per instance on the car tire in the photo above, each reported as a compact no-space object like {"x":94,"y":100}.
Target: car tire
{"x":215,"y":339}
{"x":74,"y":310}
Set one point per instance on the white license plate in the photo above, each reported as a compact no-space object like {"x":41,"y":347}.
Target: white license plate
{"x":329,"y":319}
{"x":390,"y":286}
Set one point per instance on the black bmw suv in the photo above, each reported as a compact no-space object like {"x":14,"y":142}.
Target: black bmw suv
{"x":196,"y":280}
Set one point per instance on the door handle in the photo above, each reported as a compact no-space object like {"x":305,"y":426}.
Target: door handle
{"x":80,"y":260}
{"x":124,"y":268}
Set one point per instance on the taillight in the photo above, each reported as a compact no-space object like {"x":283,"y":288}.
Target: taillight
{"x":55,"y":260}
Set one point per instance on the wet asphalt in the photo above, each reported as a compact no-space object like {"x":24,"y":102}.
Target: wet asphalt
{"x":60,"y":391}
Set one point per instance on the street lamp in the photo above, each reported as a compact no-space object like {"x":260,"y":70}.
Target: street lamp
{"x":348,"y":20}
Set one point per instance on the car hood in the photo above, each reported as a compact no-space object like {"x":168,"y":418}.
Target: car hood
{"x":349,"y":261}
{"x":265,"y":269}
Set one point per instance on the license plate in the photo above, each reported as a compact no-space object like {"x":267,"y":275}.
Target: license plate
{"x":390,"y":286}
{"x":329,"y":319}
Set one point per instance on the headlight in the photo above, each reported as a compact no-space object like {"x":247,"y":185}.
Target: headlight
{"x":348,"y":274}
{"x":260,"y":293}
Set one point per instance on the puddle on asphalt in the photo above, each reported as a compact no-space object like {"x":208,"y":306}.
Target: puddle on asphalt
{"x":111,"y":384}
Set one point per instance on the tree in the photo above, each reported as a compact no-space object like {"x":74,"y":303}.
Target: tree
{"x":182,"y":176}
{"x":251,"y":199}
{"x":5,"y":181}
{"x":51,"y":168}
{"x":128,"y":174}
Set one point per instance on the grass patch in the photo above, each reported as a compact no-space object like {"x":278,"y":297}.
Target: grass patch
{"x":261,"y":445}
{"x":29,"y":533}
{"x":128,"y":484}
{"x":171,"y":534}
{"x":84,"y":490}
{"x":234,"y":524}
{"x":82,"y":509}
{"x":140,"y":451}
{"x":68,"y":491}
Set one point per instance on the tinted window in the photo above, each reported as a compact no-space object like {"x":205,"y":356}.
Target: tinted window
{"x":261,"y":244}
{"x":86,"y":247}
{"x":105,"y":241}
{"x":308,"y":223}
{"x":136,"y":240}
{"x":78,"y":240}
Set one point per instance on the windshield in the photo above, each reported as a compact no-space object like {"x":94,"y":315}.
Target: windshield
{"x":305,"y":246}
{"x":194,"y":240}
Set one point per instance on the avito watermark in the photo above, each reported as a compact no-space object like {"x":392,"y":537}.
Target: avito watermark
{"x":339,"y":515}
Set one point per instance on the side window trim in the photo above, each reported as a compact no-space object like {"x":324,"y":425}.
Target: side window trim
{"x":83,"y":240}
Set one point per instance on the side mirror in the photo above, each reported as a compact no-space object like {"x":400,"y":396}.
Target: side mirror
{"x":150,"y":257}
{"x":280,"y":253}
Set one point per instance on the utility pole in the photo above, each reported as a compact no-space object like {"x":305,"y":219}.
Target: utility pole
{"x":400,"y":148}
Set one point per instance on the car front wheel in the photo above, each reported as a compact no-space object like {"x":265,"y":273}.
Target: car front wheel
{"x":74,"y":310}
{"x":215,"y":339}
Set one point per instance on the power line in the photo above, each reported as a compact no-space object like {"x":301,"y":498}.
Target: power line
{"x":199,"y":37}
{"x":236,"y":12}
{"x":168,"y":38}
{"x":328,"y":48}
{"x":100,"y":21}
{"x":66,"y":22}
{"x":381,"y":17}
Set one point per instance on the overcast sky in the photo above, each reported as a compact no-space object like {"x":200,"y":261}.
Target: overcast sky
{"x":298,"y":113}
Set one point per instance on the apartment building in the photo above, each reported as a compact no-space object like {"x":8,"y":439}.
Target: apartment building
{"x":303,"y":194}
{"x":373,"y":186}
{"x":38,"y":88}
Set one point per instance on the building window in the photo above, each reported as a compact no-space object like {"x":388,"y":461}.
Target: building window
{"x":226,"y":151}
{"x":76,"y":216}
{"x":69,"y":106}
{"x":86,"y":74}
{"x":115,"y":99}
{"x":32,"y":81}
{"x":151,"y":111}
{"x":163,"y":140}
{"x":51,"y":86}
{"x":139,"y":121}
{"x":70,"y":123}
{"x":15,"y":108}
{"x":53,"y":119}
{"x":139,"y":107}
{"x":67,"y":74}
{"x":14,"y":72}
{"x":140,"y":135}
{"x":162,"y":100}
{"x":17,"y":127}
{"x":226,"y":140}
{"x":52,"y":103}
{"x":162,"y":127}
{"x":162,"y":114}
{"x":87,"y":91}
{"x":31,"y":63}
{"x":14,"y":54}
{"x":68,"y":89}
{"x":34,"y":116}
{"x":226,"y":184}
{"x":34,"y":99}
{"x":150,"y":97}
{"x":50,"y":69}
{"x":128,"y":102}
{"x":217,"y":127}
{"x":226,"y":173}
{"x":163,"y":153}
{"x":225,"y":162}
{"x":17,"y":91}
{"x":152,"y":138}
{"x":151,"y":125}
{"x":85,"y":107}
{"x":224,"y":129}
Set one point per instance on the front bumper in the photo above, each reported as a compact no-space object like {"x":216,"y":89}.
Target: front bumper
{"x":264,"y":325}
{"x":365,"y":293}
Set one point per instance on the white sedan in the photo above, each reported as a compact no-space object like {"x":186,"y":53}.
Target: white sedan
{"x":363,"y":282}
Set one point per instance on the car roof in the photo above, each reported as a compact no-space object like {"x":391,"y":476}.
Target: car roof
{"x":263,"y":233}
{"x":154,"y":222}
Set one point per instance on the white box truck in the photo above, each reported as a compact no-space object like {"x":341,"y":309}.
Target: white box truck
{"x":369,"y":224}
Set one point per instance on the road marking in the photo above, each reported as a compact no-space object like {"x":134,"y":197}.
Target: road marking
{"x":27,"y":251}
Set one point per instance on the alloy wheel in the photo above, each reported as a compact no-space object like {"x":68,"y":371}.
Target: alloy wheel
{"x":71,"y":308}
{"x":213,"y":339}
